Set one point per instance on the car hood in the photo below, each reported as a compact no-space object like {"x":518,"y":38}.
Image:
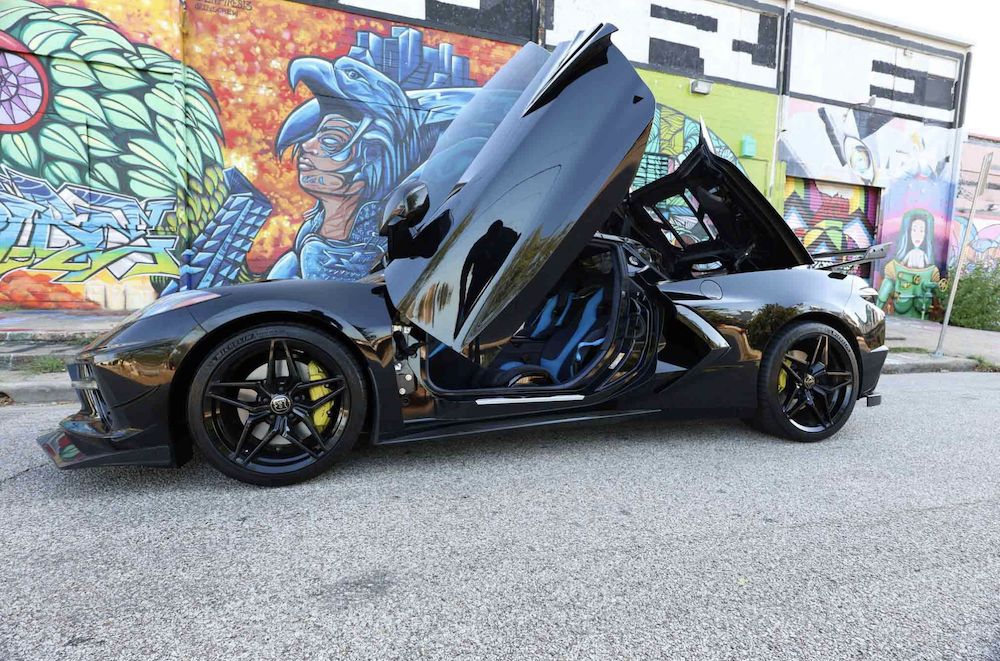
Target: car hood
{"x":517,"y":186}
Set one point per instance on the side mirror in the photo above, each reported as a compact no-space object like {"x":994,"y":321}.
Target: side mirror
{"x":405,"y":207}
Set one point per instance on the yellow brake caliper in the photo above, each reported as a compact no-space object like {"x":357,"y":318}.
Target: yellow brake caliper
{"x":321,"y":416}
{"x":782,"y":377}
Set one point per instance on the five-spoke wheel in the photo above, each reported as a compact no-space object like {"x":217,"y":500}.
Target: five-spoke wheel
{"x":807,"y":384}
{"x":276,"y":404}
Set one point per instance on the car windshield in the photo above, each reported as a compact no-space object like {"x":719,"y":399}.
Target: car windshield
{"x":465,"y":137}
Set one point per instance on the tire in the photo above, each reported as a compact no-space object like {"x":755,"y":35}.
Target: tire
{"x":260,"y":422}
{"x":807,"y":384}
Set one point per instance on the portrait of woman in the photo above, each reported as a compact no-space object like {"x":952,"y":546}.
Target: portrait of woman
{"x":911,"y":281}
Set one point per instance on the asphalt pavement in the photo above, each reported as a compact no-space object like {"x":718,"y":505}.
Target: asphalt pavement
{"x":648,"y":540}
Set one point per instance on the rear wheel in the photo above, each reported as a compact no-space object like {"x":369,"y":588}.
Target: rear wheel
{"x":276,"y":405}
{"x":806,"y":389}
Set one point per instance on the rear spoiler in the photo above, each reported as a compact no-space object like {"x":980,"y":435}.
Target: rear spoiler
{"x":846,"y":259}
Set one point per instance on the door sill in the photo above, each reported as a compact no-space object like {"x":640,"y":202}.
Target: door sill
{"x":486,"y":401}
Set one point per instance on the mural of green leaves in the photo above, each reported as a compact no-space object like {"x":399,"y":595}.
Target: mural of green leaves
{"x":122,"y":117}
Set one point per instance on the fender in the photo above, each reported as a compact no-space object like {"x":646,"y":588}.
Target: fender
{"x":323,"y":305}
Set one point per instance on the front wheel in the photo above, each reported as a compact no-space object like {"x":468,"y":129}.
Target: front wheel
{"x":807,"y":381}
{"x":276,"y":404}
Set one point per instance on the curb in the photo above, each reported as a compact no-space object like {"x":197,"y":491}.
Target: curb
{"x":62,"y":337}
{"x":14,"y":360}
{"x":39,"y":392}
{"x":917,"y":363}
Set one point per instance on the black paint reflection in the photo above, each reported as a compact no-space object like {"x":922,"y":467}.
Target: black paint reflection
{"x":483,"y":261}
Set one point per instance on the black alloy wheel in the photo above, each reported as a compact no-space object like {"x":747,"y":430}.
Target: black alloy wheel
{"x":276,"y":405}
{"x":808,"y":383}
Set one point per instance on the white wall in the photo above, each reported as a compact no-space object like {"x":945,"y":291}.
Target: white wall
{"x":695,"y":37}
{"x":847,"y":68}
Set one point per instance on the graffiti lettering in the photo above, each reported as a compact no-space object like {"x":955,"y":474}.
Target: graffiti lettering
{"x":78,"y":232}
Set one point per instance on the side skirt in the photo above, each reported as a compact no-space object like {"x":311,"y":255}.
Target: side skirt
{"x":480,"y":427}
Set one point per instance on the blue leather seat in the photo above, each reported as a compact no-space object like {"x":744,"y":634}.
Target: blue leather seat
{"x":570,"y":339}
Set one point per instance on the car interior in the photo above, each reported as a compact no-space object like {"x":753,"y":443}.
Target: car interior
{"x":562,"y":338}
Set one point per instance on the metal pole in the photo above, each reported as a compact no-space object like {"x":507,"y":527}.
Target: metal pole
{"x":984,"y":173}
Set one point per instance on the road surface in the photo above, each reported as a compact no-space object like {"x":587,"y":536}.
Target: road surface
{"x":642,"y":541}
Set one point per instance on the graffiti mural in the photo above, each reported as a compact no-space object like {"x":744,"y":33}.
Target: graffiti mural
{"x":672,"y":137}
{"x":352,"y":144}
{"x":911,"y":162}
{"x":828,"y":217}
{"x":911,"y":281}
{"x":78,"y":232}
{"x":140,"y":158}
{"x":107,"y":163}
{"x":862,"y":146}
{"x":983,"y":243}
{"x":325,"y":112}
{"x":679,"y":113}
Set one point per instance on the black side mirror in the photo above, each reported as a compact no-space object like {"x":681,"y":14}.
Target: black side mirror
{"x":404,"y":210}
{"x":405,"y":207}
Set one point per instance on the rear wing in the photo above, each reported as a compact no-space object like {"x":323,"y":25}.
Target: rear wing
{"x":847,"y":259}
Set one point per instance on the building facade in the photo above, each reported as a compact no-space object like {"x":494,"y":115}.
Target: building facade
{"x":156,"y":145}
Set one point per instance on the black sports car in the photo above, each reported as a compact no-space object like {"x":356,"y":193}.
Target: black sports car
{"x":525,"y":284}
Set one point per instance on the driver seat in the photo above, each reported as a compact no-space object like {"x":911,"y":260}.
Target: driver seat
{"x":575,"y":337}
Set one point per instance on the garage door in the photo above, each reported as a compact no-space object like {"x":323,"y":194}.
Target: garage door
{"x":830,"y":216}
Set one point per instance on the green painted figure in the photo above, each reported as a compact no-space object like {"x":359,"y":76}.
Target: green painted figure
{"x":911,"y":281}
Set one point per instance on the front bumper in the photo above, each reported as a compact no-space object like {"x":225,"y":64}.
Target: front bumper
{"x":91,"y":438}
{"x":86,"y":447}
{"x":123,"y":382}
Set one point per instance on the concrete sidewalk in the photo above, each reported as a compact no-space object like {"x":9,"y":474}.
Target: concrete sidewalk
{"x":67,"y":326}
{"x":903,"y":332}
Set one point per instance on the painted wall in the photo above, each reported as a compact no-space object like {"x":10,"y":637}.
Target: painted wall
{"x":679,"y":112}
{"x":873,"y":109}
{"x":848,"y":67}
{"x":258,"y":143}
{"x":909,"y":162}
{"x":829,"y":217}
{"x":983,"y":243}
{"x":259,"y":140}
{"x":701,"y":38}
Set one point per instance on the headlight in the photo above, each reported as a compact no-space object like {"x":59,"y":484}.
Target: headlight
{"x":870,"y":294}
{"x":171,"y":302}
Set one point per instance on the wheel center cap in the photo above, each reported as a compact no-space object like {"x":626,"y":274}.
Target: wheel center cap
{"x":281,"y":404}
{"x":809,"y":381}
